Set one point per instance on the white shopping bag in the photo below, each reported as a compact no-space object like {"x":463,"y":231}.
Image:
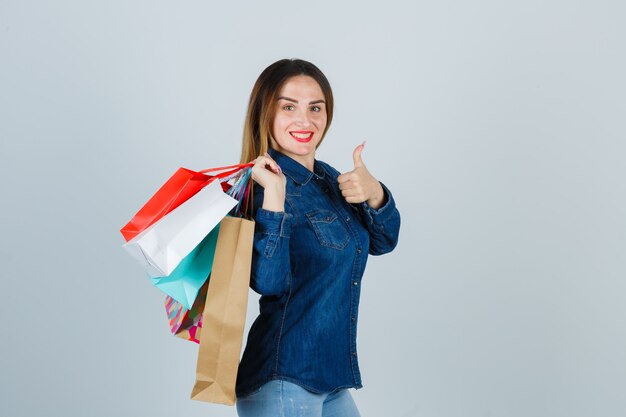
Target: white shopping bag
{"x":163,"y":245}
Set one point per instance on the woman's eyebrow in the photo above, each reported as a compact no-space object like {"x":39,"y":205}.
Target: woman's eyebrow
{"x":296,"y":101}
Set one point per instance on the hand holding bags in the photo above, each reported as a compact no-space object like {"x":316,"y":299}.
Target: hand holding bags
{"x":224,"y":313}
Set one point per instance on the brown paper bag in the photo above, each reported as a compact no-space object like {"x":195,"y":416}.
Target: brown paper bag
{"x":224,"y":313}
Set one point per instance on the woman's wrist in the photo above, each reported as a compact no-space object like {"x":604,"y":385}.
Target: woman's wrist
{"x":274,"y":199}
{"x":378,"y":199}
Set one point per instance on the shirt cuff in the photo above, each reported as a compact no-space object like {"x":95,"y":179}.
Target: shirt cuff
{"x":273,"y":222}
{"x":383,"y":213}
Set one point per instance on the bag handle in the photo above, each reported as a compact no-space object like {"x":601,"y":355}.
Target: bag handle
{"x":226,"y":175}
{"x":237,"y":167}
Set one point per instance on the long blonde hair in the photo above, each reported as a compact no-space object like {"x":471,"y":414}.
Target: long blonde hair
{"x":263,"y":103}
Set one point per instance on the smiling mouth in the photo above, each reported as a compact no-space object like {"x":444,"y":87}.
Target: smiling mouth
{"x":302,"y":135}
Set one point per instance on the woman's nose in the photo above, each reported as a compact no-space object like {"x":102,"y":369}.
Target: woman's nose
{"x":304,"y":119}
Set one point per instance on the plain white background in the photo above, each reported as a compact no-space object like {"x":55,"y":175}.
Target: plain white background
{"x":498,"y":125}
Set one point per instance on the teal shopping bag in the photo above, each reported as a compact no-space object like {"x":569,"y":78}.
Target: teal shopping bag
{"x":184,"y":283}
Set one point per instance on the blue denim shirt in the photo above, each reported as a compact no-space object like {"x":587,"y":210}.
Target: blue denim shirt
{"x":307,"y":264}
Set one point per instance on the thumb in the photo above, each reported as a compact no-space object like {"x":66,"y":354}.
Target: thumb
{"x":356,"y":155}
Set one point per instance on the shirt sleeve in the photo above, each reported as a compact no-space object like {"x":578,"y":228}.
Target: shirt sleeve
{"x":383,"y":224}
{"x":271,"y":272}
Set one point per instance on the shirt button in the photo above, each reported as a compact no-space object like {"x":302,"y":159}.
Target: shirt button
{"x":353,"y":353}
{"x":347,"y":219}
{"x":353,"y":318}
{"x":355,"y":283}
{"x":359,"y":250}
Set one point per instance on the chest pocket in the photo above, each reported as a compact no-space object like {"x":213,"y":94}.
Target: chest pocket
{"x":328,"y":228}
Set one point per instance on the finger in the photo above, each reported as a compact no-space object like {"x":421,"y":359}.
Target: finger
{"x":351,"y":182}
{"x":352,"y":190}
{"x":345,"y":185}
{"x":268,"y":163}
{"x":273,"y":166}
{"x":354,"y":200}
{"x":350,"y":193}
{"x":356,"y":155}
{"x":351,"y":187}
{"x":274,"y":163}
{"x":348,"y":176}
{"x":344,"y":177}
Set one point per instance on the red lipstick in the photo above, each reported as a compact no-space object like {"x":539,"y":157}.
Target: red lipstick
{"x":302,"y":135}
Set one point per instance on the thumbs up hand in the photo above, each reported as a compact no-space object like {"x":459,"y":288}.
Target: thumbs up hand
{"x":359,"y":185}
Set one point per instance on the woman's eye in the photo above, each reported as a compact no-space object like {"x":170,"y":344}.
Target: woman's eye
{"x":288,"y":107}
{"x":316,"y":108}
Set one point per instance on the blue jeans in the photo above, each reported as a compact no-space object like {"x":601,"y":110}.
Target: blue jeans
{"x":279,"y":398}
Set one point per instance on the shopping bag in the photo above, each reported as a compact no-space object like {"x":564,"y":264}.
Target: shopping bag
{"x":224,"y":313}
{"x":186,"y":323}
{"x":184,"y":283}
{"x":163,"y":245}
{"x":177,"y":189}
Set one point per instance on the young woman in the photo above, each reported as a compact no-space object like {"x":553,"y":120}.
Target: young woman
{"x":314,"y":230}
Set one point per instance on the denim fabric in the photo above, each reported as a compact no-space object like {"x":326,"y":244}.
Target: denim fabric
{"x":283,"y":399}
{"x":307,"y":264}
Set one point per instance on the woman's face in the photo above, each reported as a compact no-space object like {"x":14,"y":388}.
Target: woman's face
{"x":300,"y":119}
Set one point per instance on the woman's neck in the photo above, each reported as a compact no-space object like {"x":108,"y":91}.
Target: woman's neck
{"x":307,"y":161}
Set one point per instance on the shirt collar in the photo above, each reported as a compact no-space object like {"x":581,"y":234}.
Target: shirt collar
{"x":294,"y":170}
